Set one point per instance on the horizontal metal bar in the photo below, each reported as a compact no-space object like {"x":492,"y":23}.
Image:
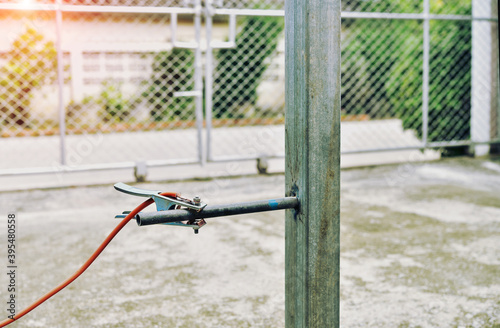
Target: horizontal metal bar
{"x":232,"y":12}
{"x":220,"y":159}
{"x":460,"y":143}
{"x":249,"y":12}
{"x":461,"y":18}
{"x":28,"y":7}
{"x":222,"y":45}
{"x":97,"y":9}
{"x":375,"y":150}
{"x":65,"y":168}
{"x":416,"y":16}
{"x":92,"y":167}
{"x":171,"y":162}
{"x":128,"y":9}
{"x":356,"y":14}
{"x":161,"y":163}
{"x":422,"y":146}
{"x":149,"y":218}
{"x":142,"y":47}
{"x":191,"y":93}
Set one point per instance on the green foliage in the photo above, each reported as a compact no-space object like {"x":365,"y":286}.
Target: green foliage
{"x":403,"y":87}
{"x":369,"y":50}
{"x":172,"y":72}
{"x":116,"y":107}
{"x":449,"y":84}
{"x":32,"y":62}
{"x":239,"y":70}
{"x":382,"y":68}
{"x":450,"y":81}
{"x":395,"y":6}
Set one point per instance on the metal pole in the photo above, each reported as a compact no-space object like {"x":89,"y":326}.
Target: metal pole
{"x":482,"y":84}
{"x":60,"y":82}
{"x":425,"y":73}
{"x":312,"y":144}
{"x":148,"y":218}
{"x":208,"y":77}
{"x":497,"y":147}
{"x":198,"y":82}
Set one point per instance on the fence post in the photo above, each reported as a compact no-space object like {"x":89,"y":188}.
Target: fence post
{"x":198,"y":81}
{"x":482,"y":87}
{"x":425,"y":73}
{"x":208,"y":79}
{"x":60,"y":83}
{"x":312,"y":29}
{"x":496,"y":48}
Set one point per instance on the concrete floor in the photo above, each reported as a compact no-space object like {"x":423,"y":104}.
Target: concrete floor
{"x":420,"y":247}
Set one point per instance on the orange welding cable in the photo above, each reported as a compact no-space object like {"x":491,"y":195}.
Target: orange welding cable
{"x":86,"y":264}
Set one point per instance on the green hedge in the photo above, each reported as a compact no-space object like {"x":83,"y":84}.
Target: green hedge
{"x":382,"y":69}
{"x":172,"y":72}
{"x":239,"y":71}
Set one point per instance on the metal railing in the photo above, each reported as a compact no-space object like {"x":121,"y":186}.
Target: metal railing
{"x":100,"y":84}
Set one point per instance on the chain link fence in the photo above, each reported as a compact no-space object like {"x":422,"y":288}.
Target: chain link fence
{"x":136,"y":75}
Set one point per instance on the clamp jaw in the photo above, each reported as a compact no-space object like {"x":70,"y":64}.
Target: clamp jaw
{"x":165,"y":202}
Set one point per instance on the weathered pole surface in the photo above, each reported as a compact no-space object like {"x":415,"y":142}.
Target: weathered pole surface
{"x":312,"y":162}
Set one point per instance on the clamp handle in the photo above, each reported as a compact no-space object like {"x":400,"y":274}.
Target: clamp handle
{"x":163,"y":203}
{"x":120,"y":186}
{"x":166,"y":201}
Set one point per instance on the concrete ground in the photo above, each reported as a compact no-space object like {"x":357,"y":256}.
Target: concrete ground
{"x":420,"y":247}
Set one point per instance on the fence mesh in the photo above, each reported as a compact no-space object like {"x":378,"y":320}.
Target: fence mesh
{"x":123,"y":81}
{"x":28,"y":65}
{"x":408,"y":6}
{"x":121,"y":78}
{"x":27,"y":80}
{"x":242,"y":73}
{"x":250,"y":4}
{"x":450,"y":81}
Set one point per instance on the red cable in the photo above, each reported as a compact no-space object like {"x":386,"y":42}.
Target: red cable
{"x":86,"y":264}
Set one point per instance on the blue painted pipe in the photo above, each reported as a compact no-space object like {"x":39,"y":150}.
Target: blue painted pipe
{"x":159,"y":217}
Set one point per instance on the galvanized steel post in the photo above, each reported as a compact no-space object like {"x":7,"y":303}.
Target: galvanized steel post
{"x":60,"y":83}
{"x":198,"y":81}
{"x":208,"y":78}
{"x":312,"y":131}
{"x":425,"y":73}
{"x":483,"y":87}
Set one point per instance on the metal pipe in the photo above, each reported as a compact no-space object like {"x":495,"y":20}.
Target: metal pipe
{"x":223,"y":11}
{"x":208,"y":78}
{"x":93,"y":167}
{"x":173,"y":28}
{"x":355,"y":14}
{"x":127,"y":9}
{"x":159,"y":217}
{"x":60,"y":83}
{"x":162,"y":163}
{"x":198,"y":82}
{"x":425,"y":73}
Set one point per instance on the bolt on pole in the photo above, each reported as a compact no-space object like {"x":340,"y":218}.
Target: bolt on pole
{"x":312,"y":245}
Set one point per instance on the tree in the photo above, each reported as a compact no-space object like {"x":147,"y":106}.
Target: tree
{"x":172,"y":72}
{"x":239,"y":70}
{"x":382,"y":63}
{"x":32,"y":62}
{"x":449,"y":80}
